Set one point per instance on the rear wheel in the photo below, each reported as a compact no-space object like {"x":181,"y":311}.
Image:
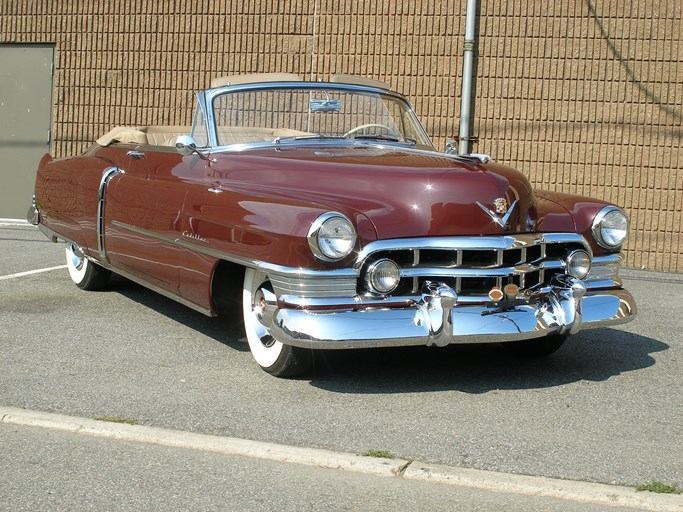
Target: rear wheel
{"x":272,"y":355}
{"x":86,"y":274}
{"x":539,"y":347}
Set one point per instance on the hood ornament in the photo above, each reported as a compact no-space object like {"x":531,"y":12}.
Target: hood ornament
{"x":502,"y":213}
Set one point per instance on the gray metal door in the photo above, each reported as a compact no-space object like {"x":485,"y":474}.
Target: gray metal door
{"x":25,"y":122}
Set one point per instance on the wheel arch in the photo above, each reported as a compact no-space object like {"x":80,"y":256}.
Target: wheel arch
{"x":226,"y":287}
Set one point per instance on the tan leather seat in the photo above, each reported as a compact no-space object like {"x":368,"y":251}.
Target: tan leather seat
{"x":124,"y":135}
{"x":165,"y":135}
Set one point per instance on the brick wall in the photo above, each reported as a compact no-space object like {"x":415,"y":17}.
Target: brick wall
{"x":584,"y":96}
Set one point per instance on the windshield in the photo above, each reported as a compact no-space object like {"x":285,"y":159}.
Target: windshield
{"x":282,"y":115}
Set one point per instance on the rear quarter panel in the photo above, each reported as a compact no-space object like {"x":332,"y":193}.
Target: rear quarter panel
{"x":67,"y":196}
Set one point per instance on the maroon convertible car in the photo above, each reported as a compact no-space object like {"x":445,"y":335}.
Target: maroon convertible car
{"x":324,"y":208}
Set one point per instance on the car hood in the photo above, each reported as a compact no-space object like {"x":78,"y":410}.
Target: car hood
{"x":403,"y":192}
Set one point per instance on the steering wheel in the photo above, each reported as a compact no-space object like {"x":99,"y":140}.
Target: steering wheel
{"x":362,"y":127}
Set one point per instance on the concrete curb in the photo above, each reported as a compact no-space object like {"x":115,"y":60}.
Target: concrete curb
{"x":204,"y":442}
{"x":582,"y":492}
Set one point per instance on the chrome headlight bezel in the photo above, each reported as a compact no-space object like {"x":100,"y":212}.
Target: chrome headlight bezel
{"x":605,"y":220}
{"x":321,"y":237}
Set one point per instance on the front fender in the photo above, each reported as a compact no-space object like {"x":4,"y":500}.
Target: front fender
{"x":260,"y":228}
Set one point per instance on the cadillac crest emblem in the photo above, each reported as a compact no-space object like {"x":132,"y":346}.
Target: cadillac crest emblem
{"x":501,"y":205}
{"x":502,"y":212}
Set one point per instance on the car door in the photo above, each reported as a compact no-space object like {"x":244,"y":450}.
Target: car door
{"x":143,"y":214}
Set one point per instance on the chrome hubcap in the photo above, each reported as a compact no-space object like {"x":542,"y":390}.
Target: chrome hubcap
{"x":76,"y":258}
{"x":259,"y":308}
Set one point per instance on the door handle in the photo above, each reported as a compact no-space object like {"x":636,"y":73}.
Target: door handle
{"x":137,"y":155}
{"x":216,"y":190}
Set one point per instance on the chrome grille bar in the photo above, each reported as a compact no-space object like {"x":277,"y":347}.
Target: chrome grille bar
{"x":474,"y":264}
{"x":471,"y":265}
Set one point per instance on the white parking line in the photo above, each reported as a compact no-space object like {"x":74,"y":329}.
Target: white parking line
{"x":31,"y":272}
{"x":14,"y":222}
{"x":572,"y":491}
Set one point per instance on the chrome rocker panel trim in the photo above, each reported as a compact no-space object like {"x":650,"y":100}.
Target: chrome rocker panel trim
{"x":438,"y":319}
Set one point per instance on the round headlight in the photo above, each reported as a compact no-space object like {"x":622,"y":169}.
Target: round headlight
{"x":578,"y":264}
{"x":610,"y":227}
{"x":383,"y":276}
{"x":332,"y":237}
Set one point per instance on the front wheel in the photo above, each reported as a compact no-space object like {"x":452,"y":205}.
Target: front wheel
{"x":539,"y":347}
{"x":272,"y":355}
{"x":86,"y":274}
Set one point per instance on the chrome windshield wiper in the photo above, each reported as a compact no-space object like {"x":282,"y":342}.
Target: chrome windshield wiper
{"x":313,"y":136}
{"x":388,"y":138}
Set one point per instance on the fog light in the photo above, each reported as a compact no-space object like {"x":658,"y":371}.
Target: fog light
{"x":383,"y":276}
{"x":578,"y":264}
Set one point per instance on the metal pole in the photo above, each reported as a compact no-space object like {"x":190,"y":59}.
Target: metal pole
{"x":467,"y":79}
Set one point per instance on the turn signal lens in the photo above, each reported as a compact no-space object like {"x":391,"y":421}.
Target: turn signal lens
{"x":578,"y":264}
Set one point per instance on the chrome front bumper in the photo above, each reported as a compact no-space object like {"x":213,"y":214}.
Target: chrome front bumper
{"x":438,"y":318}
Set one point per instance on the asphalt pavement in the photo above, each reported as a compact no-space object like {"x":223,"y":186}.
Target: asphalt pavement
{"x":606,"y":408}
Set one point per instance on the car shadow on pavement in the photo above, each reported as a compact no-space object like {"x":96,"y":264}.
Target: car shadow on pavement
{"x":594,"y":355}
{"x":226,"y":329}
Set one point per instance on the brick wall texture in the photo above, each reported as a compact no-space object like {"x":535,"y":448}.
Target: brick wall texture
{"x":584,"y":96}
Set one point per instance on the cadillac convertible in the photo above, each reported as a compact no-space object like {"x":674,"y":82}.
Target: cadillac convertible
{"x":324,"y":209}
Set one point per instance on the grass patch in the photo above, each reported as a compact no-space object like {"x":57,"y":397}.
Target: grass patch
{"x":659,"y":487}
{"x":116,"y":419}
{"x":380,"y":454}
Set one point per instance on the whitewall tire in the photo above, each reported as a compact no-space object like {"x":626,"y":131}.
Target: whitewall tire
{"x":84,"y":273}
{"x":272,"y":355}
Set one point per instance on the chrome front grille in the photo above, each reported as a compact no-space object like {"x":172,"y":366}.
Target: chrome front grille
{"x":474,"y":265}
{"x":469,"y":265}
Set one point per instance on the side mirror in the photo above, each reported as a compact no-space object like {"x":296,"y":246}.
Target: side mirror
{"x":451,"y":147}
{"x":185,"y":145}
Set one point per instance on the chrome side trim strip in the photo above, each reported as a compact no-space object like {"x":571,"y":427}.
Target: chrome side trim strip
{"x":306,"y":273}
{"x":145,"y":232}
{"x":107,"y":175}
{"x":269,"y":268}
{"x":163,"y":291}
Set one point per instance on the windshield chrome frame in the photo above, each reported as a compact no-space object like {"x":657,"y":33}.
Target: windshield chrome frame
{"x":210,"y":94}
{"x":201,"y":104}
